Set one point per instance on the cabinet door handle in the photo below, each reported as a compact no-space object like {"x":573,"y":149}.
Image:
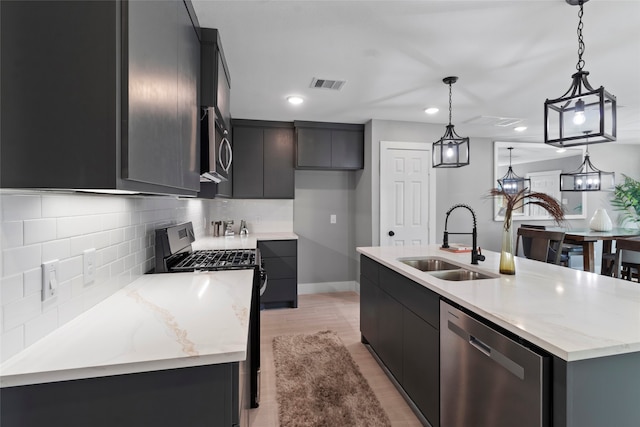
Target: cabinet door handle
{"x":391,"y":233}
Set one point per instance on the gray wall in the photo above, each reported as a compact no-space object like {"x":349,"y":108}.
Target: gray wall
{"x":468,"y":184}
{"x":325,"y":251}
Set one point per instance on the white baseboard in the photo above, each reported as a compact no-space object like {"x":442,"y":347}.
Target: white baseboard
{"x":326,"y":287}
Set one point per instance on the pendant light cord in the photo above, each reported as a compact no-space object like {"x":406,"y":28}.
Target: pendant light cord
{"x":449,"y":104}
{"x":581,"y":47}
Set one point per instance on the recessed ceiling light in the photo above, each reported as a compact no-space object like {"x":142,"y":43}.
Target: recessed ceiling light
{"x":520,"y":128}
{"x":295,"y":100}
{"x":431,"y":110}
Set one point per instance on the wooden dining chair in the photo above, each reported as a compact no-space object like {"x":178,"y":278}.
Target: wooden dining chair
{"x":568,"y":249}
{"x":626,"y":269}
{"x":541,"y":245}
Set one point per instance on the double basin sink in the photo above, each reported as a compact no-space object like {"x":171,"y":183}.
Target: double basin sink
{"x":445,"y":270}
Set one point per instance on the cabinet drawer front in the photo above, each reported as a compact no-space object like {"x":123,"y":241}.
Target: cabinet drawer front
{"x":369,"y":269}
{"x":422,"y":301}
{"x":281,"y":268}
{"x":278,"y":248}
{"x":280,"y":290}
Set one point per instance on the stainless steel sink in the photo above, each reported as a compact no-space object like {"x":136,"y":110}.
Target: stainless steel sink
{"x":429,"y":264}
{"x":461,"y":274}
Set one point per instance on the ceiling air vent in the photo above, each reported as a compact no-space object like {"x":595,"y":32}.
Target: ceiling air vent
{"x":494,"y":121}
{"x":327,"y":84}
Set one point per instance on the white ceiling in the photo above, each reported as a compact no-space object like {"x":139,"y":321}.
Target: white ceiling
{"x":509,"y":55}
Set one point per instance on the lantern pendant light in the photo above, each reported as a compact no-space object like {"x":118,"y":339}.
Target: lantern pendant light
{"x":587,"y":178}
{"x":450,"y":151}
{"x":581,"y":107}
{"x":511,"y":183}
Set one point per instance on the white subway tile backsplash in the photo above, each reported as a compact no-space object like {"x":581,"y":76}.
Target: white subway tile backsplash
{"x":56,"y":249}
{"x":19,"y":312}
{"x":17,"y":260}
{"x":19,"y":207}
{"x":116,"y":236}
{"x":12,"y":234}
{"x":40,"y":326}
{"x":33,"y":281}
{"x":70,"y":268}
{"x":11,"y":289}
{"x":81,"y":243}
{"x":41,"y":226}
{"x":77,"y":226}
{"x":39,"y":230}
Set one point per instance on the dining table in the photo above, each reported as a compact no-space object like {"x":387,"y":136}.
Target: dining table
{"x":587,"y":238}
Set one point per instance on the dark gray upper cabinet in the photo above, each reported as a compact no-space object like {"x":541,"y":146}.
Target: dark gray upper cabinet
{"x":329,"y":145}
{"x":104,"y":95}
{"x":263,"y":154}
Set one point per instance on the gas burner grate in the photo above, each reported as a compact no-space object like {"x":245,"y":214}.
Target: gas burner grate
{"x":217,"y":260}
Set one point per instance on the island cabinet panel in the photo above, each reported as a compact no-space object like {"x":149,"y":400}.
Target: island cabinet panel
{"x":390,"y":327}
{"x":338,"y":146}
{"x":208,"y":395}
{"x":263,"y":154}
{"x":280,"y":258}
{"x":400,"y":320}
{"x":421,"y":365}
{"x":119,"y":80}
{"x":597,"y":392}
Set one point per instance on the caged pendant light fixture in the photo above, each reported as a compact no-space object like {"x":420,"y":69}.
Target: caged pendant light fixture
{"x":450,"y":151}
{"x":587,"y":178}
{"x":511,"y":183}
{"x":581,"y":107}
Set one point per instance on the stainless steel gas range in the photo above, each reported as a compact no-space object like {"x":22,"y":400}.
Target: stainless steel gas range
{"x":174,"y":254}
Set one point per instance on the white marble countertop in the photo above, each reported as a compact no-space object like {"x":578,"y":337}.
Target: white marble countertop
{"x":573,"y":314}
{"x":160,"y":321}
{"x":240,"y":242}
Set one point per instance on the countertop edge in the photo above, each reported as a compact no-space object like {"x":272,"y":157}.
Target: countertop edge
{"x":121,"y":369}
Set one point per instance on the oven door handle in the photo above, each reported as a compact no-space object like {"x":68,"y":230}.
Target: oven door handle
{"x":263,"y":281}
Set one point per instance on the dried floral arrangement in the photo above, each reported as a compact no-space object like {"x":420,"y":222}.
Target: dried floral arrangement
{"x":523,"y":198}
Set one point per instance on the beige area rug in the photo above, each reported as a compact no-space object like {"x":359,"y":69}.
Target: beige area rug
{"x":318,"y":384}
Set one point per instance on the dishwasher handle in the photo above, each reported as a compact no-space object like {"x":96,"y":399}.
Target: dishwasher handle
{"x":480,"y":345}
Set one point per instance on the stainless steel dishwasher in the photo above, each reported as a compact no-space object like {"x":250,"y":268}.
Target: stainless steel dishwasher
{"x":488,"y":379}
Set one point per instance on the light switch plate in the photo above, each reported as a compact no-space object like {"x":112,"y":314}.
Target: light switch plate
{"x":332,"y":219}
{"x":50,"y":271}
{"x":89,"y":266}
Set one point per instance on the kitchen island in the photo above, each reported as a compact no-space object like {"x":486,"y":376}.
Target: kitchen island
{"x":587,"y":324}
{"x":163,"y":350}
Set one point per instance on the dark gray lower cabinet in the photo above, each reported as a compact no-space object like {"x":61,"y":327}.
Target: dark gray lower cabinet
{"x":280,"y":258}
{"x":201,"y":396}
{"x":390,"y":329}
{"x":421,"y":365}
{"x":399,"y":319}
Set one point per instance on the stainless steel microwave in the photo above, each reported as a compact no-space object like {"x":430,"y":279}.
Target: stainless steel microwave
{"x":216,"y":153}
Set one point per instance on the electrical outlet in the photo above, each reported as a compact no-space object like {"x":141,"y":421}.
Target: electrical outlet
{"x":89,"y":266}
{"x":50,"y":270}
{"x":332,"y":219}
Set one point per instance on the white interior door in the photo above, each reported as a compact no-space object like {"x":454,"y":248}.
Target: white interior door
{"x":407,"y":196}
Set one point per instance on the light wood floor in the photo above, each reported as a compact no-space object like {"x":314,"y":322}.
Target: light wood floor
{"x":339,"y":312}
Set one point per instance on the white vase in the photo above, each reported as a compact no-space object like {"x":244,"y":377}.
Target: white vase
{"x":600,"y":221}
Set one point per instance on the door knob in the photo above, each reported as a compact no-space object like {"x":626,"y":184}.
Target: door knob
{"x":391,"y":233}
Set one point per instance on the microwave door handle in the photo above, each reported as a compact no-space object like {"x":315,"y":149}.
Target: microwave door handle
{"x":229,"y":155}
